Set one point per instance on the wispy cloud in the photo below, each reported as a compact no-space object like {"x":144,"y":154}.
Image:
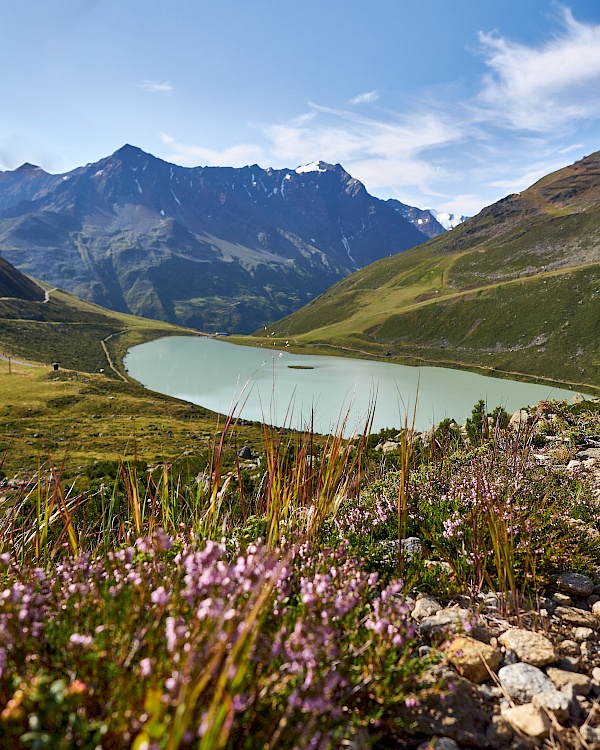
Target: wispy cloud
{"x":542,"y":88}
{"x":457,"y":153}
{"x":156,"y":87}
{"x":376,"y":150}
{"x":234,"y":156}
{"x":367,"y":98}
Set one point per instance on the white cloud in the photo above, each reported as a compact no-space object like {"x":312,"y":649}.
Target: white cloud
{"x":367,"y":98}
{"x":457,"y":153}
{"x":234,"y":156}
{"x":156,"y":87}
{"x":379,"y":151}
{"x":543,"y":88}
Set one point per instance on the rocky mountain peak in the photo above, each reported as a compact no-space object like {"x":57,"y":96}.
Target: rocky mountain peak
{"x":27,"y":167}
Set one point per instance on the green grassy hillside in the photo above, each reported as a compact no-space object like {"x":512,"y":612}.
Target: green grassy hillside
{"x":513,"y":290}
{"x":88,"y":411}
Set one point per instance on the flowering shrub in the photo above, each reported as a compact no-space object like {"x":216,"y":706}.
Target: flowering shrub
{"x":164,"y":644}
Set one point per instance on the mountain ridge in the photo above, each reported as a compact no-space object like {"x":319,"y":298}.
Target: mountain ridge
{"x":512,"y":290}
{"x":209,"y":247}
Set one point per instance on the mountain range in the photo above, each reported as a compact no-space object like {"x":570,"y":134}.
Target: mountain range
{"x":213,"y":248}
{"x":515,"y":289}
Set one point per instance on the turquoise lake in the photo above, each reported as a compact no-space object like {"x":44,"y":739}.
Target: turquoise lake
{"x":266,"y":386}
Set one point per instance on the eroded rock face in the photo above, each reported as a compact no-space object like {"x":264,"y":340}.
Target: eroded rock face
{"x":531,"y":648}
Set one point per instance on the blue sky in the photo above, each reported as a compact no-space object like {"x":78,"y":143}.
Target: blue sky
{"x":439,"y":104}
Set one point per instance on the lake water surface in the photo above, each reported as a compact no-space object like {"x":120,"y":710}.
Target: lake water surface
{"x":215,"y":374}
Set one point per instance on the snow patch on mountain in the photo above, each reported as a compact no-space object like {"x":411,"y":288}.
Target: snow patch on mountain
{"x":447,"y":220}
{"x":314,"y":166}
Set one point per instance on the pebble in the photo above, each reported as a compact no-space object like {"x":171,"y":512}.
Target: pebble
{"x":522,"y":681}
{"x":581,"y":683}
{"x":596,"y":674}
{"x":562,"y":599}
{"x":529,"y":720}
{"x":596,"y":608}
{"x":532,"y":648}
{"x":425,"y":607}
{"x":570,"y":647}
{"x":472,"y":659}
{"x":583,"y":634}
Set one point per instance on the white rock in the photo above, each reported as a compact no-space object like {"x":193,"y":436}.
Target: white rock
{"x":523,"y":681}
{"x":425,"y":607}
{"x":583,"y":634}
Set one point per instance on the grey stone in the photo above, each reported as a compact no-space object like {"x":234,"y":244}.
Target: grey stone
{"x":245,"y":452}
{"x":523,"y":681}
{"x":575,"y":584}
{"x":449,"y":619}
{"x":425,"y":607}
{"x":591,"y":735}
{"x":412,"y":547}
{"x":521,"y":419}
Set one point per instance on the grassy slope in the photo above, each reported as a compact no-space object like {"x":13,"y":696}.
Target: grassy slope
{"x":514,"y":290}
{"x":78,"y":410}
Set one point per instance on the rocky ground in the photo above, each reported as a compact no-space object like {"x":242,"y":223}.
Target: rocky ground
{"x":523,"y":677}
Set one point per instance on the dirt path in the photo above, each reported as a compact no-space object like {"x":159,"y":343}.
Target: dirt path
{"x":110,"y":362}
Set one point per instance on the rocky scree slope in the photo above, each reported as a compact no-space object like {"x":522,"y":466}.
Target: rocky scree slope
{"x":215,"y":248}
